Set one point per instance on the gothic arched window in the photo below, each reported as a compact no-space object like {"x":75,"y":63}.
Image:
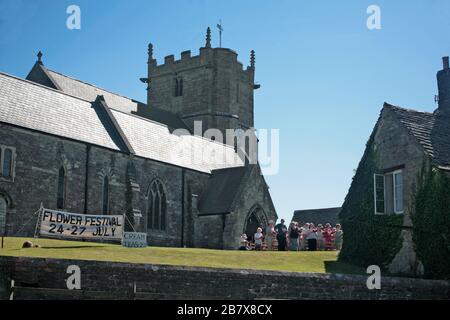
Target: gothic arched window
{"x":156,"y":208}
{"x":175,"y":88}
{"x":3,"y":207}
{"x":105,"y":207}
{"x":7,"y":163}
{"x":178,"y":87}
{"x":61,"y":188}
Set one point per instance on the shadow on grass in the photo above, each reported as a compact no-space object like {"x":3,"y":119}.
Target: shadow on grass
{"x":340,"y":267}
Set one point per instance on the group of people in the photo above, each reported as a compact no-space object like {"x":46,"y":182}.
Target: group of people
{"x":295,"y":237}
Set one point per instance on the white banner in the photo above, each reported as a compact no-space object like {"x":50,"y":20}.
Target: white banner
{"x":59,"y":224}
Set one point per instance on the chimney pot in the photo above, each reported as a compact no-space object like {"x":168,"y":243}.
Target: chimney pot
{"x":443,"y":81}
{"x":445,"y":63}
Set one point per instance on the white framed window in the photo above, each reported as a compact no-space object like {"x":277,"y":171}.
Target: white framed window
{"x":388,"y":193}
{"x":398,"y":191}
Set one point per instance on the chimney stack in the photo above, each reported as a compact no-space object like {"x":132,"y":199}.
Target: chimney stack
{"x":445,"y":63}
{"x":443,"y":79}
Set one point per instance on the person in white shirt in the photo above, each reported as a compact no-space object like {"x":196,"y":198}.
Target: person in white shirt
{"x":311,"y":237}
{"x":304,"y":242}
{"x":258,"y":239}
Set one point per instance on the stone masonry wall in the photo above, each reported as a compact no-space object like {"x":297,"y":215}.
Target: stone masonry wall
{"x":37,"y":162}
{"x":224,"y":230}
{"x":215,"y":88}
{"x":176,"y":282}
{"x":253,"y":196}
{"x":396,"y":147}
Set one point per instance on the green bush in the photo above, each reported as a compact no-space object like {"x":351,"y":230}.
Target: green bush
{"x":431,"y":221}
{"x":368,"y":238}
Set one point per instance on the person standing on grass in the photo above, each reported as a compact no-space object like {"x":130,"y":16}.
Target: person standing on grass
{"x":328,"y":237}
{"x":258,"y":239}
{"x":311,"y":237}
{"x":294,"y":234}
{"x":320,"y":239}
{"x":339,"y":235}
{"x":270,"y":233}
{"x":281,"y":230}
{"x":303,"y":241}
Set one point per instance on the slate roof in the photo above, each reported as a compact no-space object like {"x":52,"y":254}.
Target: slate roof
{"x":161,"y":116}
{"x":36,"y":107}
{"x":154,"y":141}
{"x":432,"y":131}
{"x":89,"y":92}
{"x":30,"y":105}
{"x":221,"y":191}
{"x":316,"y":216}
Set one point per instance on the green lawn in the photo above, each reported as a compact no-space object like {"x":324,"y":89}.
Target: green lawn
{"x":320,"y":261}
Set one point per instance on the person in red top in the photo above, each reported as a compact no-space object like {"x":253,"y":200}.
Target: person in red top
{"x":328,"y":236}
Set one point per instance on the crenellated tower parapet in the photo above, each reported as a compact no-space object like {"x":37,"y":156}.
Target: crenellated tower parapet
{"x":212,"y":87}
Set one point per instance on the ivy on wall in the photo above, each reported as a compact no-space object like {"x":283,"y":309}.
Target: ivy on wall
{"x":369,"y":239}
{"x":431,"y":220}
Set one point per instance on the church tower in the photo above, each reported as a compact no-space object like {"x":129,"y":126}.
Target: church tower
{"x":212,"y":87}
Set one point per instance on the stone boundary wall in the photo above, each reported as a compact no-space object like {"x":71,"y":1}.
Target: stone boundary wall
{"x":46,"y":279}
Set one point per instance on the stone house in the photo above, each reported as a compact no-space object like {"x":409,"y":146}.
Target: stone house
{"x":379,"y":211}
{"x":75,"y":147}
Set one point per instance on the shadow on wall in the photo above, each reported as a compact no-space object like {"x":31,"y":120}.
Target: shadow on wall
{"x":343,"y":268}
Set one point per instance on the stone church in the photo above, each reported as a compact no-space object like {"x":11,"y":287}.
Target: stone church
{"x":72,"y":146}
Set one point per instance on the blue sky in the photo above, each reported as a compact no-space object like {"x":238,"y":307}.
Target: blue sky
{"x":324,"y":75}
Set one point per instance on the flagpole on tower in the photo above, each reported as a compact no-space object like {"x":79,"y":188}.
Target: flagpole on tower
{"x":219,"y":26}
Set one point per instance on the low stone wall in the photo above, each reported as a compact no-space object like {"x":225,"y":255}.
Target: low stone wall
{"x":46,"y":278}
